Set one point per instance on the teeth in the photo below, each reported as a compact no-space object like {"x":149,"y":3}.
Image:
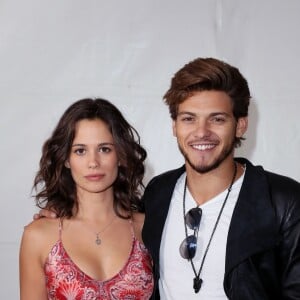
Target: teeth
{"x":202,"y":147}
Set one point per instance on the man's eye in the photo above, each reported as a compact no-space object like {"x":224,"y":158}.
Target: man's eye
{"x":218,"y":120}
{"x":187,"y":119}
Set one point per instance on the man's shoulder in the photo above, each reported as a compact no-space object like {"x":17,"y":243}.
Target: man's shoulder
{"x":167,"y":177}
{"x":277,"y":181}
{"x":162,"y":184}
{"x":285,"y":192}
{"x":285,"y":196}
{"x":281,"y":187}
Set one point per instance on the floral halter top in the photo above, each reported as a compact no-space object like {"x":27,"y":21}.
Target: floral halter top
{"x":65,"y":281}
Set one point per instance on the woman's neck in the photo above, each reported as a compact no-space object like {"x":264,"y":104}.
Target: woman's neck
{"x":96,"y":207}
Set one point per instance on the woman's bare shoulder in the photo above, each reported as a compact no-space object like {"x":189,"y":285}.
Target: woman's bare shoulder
{"x":42,"y":229}
{"x":38,"y":238}
{"x":42,"y":224}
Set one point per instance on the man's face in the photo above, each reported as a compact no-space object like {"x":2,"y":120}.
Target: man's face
{"x":206,"y":128}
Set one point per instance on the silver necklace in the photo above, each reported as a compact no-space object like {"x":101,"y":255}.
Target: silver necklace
{"x":197,"y":281}
{"x":98,"y":241}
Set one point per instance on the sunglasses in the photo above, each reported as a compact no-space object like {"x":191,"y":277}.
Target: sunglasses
{"x":192,"y":220}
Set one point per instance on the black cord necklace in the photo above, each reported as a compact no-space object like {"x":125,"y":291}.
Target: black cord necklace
{"x":197,"y":282}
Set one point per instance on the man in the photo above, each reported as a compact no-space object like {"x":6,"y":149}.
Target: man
{"x":219,"y":227}
{"x":241,"y":240}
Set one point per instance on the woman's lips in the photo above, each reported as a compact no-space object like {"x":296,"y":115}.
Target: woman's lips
{"x":94,"y":177}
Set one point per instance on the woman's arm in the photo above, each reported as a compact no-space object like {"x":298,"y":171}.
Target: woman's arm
{"x":32,"y":276}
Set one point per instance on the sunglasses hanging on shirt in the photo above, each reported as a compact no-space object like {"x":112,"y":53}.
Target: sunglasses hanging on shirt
{"x":192,"y":220}
{"x":188,"y":246}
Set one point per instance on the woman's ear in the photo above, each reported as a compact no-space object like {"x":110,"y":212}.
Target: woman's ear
{"x":67,"y":164}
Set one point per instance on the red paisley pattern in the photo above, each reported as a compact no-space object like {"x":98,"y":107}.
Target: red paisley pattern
{"x":65,"y":281}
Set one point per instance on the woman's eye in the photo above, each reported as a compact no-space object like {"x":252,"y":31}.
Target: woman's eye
{"x":79,"y":151}
{"x":104,"y":149}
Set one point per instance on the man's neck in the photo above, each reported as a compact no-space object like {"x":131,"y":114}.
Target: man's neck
{"x":205,"y":186}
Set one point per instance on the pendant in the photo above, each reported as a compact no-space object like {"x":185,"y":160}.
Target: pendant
{"x":197,"y":284}
{"x":97,"y":240}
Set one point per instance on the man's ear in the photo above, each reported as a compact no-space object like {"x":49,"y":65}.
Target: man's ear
{"x":241,"y":128}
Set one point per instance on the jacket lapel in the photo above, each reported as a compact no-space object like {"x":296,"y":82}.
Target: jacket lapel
{"x":157,"y":201}
{"x":252,"y":225}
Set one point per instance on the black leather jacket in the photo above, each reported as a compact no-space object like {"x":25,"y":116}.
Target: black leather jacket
{"x":263,"y":245}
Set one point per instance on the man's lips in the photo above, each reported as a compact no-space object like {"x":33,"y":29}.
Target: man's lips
{"x":203,"y":147}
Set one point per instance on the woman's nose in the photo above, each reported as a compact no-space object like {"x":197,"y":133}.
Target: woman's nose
{"x":93,"y":165}
{"x":93,"y":162}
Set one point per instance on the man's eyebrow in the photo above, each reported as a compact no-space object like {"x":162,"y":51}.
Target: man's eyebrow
{"x":220,"y":113}
{"x":186,"y":113}
{"x":211,"y":114}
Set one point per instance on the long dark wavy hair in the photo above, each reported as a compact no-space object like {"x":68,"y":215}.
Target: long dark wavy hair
{"x":54,"y":185}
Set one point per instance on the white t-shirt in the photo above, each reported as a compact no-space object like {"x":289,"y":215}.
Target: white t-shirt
{"x":176,"y":273}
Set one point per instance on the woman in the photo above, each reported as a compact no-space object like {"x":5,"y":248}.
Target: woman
{"x":90,"y":174}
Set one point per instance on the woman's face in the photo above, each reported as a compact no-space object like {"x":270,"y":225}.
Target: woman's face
{"x":93,"y":159}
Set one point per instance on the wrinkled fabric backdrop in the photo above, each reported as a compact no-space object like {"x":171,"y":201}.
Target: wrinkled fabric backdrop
{"x":55,"y":52}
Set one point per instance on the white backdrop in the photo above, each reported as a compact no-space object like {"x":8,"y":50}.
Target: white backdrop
{"x":55,"y":52}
